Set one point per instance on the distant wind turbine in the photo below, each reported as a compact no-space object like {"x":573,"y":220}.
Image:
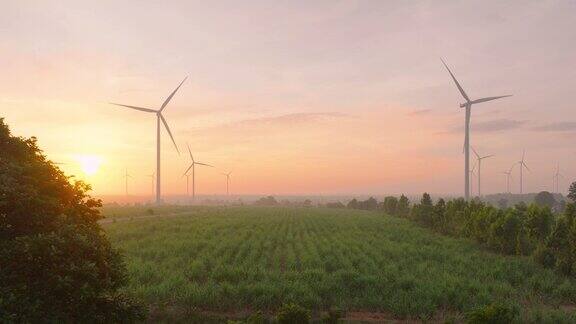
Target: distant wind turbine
{"x":468,"y":105}
{"x":227,"y":175}
{"x":522,"y":165}
{"x":479,"y":159}
{"x":508,"y":177}
{"x":193,"y":167}
{"x":556,"y":178}
{"x":126,"y":176}
{"x":159,"y":118}
{"x":473,"y":173}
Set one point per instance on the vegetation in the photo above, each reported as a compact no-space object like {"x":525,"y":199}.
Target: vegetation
{"x":57,"y":264}
{"x":221,"y":260}
{"x":572,"y":192}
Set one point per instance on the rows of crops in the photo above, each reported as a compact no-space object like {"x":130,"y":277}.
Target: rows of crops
{"x":224,"y":259}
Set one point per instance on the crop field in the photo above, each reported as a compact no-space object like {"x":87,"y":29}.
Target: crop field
{"x":242,"y":259}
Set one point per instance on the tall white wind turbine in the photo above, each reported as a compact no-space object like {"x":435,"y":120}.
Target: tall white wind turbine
{"x":126,"y":176}
{"x":479,"y":159}
{"x":159,"y":118}
{"x":227,"y":175}
{"x":472,"y":173}
{"x":556,"y":178}
{"x":508,"y":177}
{"x":468,"y":105}
{"x":193,"y":167}
{"x":522,"y":165}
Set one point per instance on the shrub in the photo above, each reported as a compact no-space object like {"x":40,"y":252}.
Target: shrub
{"x":57,"y":263}
{"x":493,"y":314}
{"x":403,"y":207}
{"x":150,"y":211}
{"x":293,"y":314}
{"x":390,"y":205}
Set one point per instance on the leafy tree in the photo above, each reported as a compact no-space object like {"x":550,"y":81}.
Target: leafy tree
{"x":572,"y":192}
{"x":424,"y":211}
{"x":267,"y":201}
{"x":57,"y":264}
{"x":390,"y":205}
{"x":544,"y":198}
{"x":503,"y":203}
{"x":353,"y":204}
{"x":539,"y":222}
{"x":403,"y":207}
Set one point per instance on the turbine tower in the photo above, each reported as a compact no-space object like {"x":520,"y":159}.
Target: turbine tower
{"x":193,"y":167}
{"x":479,"y":159}
{"x":556,"y":178}
{"x":227,"y":175}
{"x":508,"y":177}
{"x":468,"y":105}
{"x":522,"y":165}
{"x":473,"y":173}
{"x":126,"y":176}
{"x":159,"y":118}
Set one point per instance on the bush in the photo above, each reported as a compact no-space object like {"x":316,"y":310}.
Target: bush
{"x":57,"y":263}
{"x":293,"y":314}
{"x":493,"y":314}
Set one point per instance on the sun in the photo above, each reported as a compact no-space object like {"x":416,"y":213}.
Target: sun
{"x":89,"y":163}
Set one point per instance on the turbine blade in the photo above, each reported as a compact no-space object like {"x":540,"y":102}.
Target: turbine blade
{"x":526,"y":166}
{"x":204,"y":164}
{"x":488,"y":156}
{"x":169,"y":132}
{"x":523,"y":155}
{"x":456,"y":81}
{"x":134,"y":107}
{"x":190,"y":167}
{"x":192,"y":157}
{"x":475,"y":153}
{"x":488,"y":99}
{"x":171,"y":95}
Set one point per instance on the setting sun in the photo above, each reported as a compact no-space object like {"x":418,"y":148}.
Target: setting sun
{"x":89,"y":163}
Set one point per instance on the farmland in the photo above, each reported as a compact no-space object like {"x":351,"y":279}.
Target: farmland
{"x":241,"y":259}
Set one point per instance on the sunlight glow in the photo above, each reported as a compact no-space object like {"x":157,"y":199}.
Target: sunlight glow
{"x":89,"y":163}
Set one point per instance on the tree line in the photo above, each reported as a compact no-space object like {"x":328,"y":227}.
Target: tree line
{"x":530,"y":230}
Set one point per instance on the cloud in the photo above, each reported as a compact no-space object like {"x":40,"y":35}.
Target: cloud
{"x":557,"y":127}
{"x":420,"y":112}
{"x":495,"y":125}
{"x":288,"y":119}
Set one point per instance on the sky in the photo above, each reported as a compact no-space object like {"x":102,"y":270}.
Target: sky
{"x":293,"y":97}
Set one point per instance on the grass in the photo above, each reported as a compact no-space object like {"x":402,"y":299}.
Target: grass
{"x":118,"y":212}
{"x":255,"y":258}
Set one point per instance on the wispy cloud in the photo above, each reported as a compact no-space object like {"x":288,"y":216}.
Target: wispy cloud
{"x":490,"y":126}
{"x":420,"y":112}
{"x":557,"y":127}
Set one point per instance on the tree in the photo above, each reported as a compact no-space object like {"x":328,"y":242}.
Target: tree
{"x":267,"y":201}
{"x":353,"y":204}
{"x":57,"y":263}
{"x":572,"y":192}
{"x":545,"y":199}
{"x":403,"y":207}
{"x":390,"y":205}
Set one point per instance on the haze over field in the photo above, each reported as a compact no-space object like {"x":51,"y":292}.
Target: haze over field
{"x":331,"y":97}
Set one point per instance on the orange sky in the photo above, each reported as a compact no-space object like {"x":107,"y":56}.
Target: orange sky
{"x":329,"y":97}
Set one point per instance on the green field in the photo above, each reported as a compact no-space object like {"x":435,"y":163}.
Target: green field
{"x":242,"y":259}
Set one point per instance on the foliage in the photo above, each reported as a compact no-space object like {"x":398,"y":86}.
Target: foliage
{"x":493,"y":314}
{"x":57,"y":263}
{"x":352,"y":204}
{"x":333,"y":315}
{"x":266,"y":201}
{"x":572,"y":192}
{"x":390,"y":205}
{"x":293,"y":314}
{"x":545,"y":199}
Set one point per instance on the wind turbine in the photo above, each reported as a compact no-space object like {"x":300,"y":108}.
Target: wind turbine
{"x":193,"y":167}
{"x":468,"y":105}
{"x":159,"y":118}
{"x":126,"y":176}
{"x":556,"y":178}
{"x":227,"y":175}
{"x":508,"y":177}
{"x":522,"y":166}
{"x":479,"y":159}
{"x":472,"y":172}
